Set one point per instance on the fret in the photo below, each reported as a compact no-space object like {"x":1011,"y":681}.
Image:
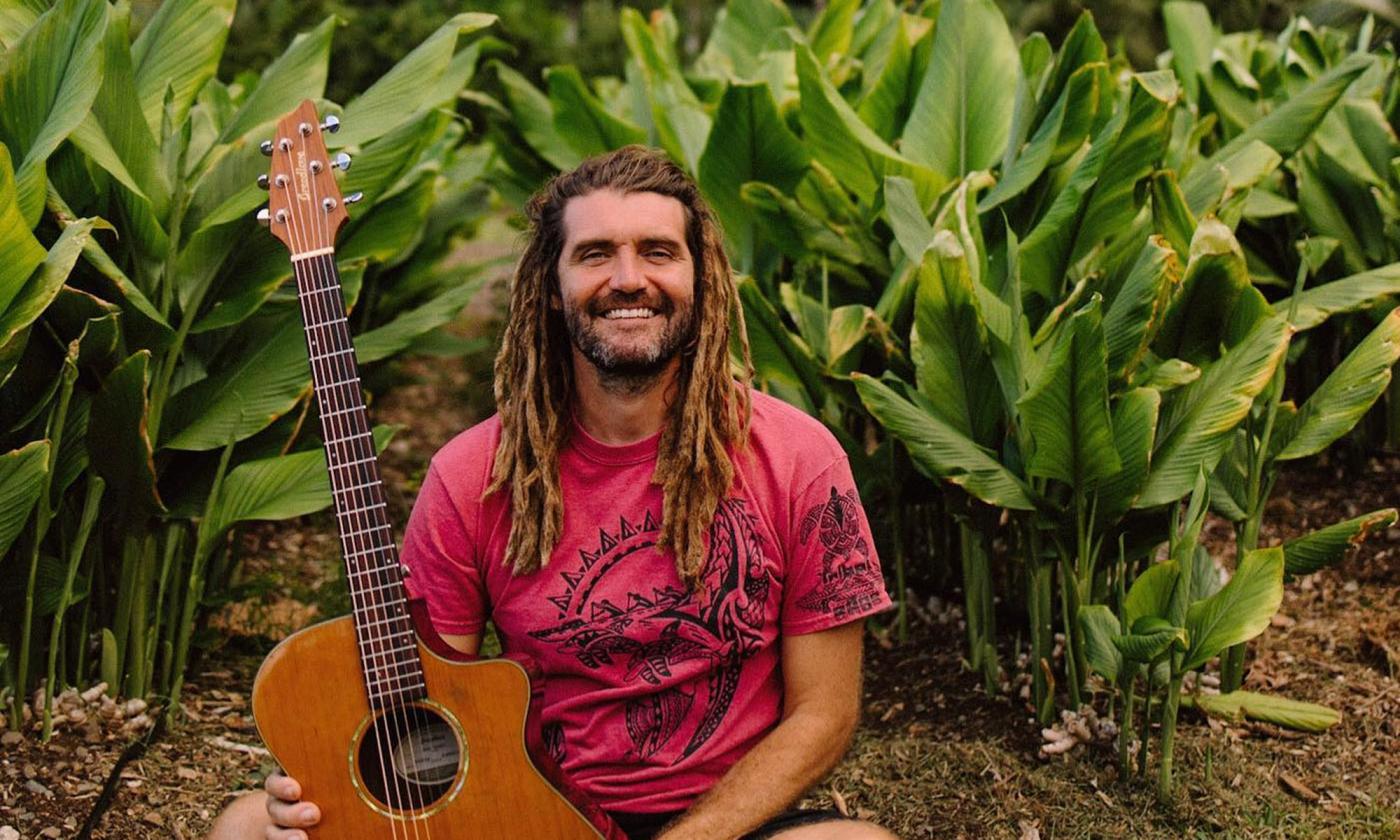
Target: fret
{"x":321,"y":357}
{"x":354,"y":397}
{"x":334,"y":287}
{"x":400,"y":619}
{"x":381,"y":682}
{"x":408,"y":692}
{"x":329,"y":414}
{"x":390,"y":585}
{"x":356,"y":462}
{"x":374,"y":570}
{"x":326,"y":323}
{"x":389,"y":651}
{"x":354,"y":555}
{"x":359,"y":510}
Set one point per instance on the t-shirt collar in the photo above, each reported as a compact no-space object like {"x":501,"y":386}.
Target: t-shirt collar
{"x":628,"y":453}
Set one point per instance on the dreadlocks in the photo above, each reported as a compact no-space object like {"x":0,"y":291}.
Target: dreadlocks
{"x":534,"y":385}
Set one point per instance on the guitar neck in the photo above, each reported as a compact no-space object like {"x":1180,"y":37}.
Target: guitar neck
{"x":383,"y":628}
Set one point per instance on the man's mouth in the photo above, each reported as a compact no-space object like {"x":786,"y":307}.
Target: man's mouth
{"x":635,"y":312}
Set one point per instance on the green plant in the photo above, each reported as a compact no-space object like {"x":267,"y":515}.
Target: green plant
{"x":154,"y":382}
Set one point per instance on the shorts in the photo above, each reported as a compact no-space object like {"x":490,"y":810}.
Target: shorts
{"x":646,"y":826}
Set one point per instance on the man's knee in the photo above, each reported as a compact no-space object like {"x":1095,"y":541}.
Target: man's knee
{"x":244,"y":819}
{"x":837,"y":830}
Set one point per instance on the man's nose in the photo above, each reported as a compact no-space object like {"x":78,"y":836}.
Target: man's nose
{"x":628,"y":274}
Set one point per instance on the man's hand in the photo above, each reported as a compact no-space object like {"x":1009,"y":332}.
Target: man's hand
{"x":286,"y":809}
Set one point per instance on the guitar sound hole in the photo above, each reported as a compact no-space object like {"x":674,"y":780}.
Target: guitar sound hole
{"x":409,"y":758}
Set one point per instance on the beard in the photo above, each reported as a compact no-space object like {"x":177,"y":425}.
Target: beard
{"x":630,"y":363}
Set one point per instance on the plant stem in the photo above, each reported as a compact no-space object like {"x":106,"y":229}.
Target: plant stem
{"x":1146,"y":720}
{"x":1038,"y":579}
{"x":1127,"y":680}
{"x":1169,"y":710}
{"x":75,"y":556}
{"x":977,"y":598}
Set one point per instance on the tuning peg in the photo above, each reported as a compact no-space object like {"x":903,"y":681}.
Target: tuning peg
{"x":262,"y":181}
{"x":331,"y":124}
{"x":263,"y":218}
{"x":266,"y":147}
{"x":354,"y":197}
{"x":341,"y":162}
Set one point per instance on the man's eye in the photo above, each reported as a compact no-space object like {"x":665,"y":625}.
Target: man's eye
{"x":594,"y":256}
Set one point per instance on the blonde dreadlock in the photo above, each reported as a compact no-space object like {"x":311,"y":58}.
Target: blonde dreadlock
{"x":534,"y":375}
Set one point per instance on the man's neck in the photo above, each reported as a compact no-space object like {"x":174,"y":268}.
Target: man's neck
{"x":617,"y":411}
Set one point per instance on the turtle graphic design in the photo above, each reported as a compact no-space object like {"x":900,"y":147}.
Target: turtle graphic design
{"x":849,"y":582}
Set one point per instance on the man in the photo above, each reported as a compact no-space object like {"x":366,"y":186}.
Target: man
{"x":686,"y":559}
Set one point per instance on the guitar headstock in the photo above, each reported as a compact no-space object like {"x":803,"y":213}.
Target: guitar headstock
{"x":305,"y":209}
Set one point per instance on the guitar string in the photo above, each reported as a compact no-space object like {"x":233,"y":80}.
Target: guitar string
{"x":365,"y":490}
{"x":345,"y":429}
{"x":310,"y":302}
{"x":381,"y":573}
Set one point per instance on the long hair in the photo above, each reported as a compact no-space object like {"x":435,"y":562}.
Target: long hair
{"x":709,"y":410}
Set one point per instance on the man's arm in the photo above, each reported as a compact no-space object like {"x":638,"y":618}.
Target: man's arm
{"x":821,"y":705}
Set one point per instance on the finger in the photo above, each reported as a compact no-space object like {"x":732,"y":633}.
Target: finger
{"x":273,"y":833}
{"x":293,"y":814}
{"x":283,"y":787}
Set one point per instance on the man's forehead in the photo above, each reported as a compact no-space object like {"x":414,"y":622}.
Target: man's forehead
{"x":618,"y":216}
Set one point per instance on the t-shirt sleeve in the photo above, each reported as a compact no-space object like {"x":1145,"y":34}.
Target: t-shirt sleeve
{"x":833,"y":575}
{"x":442,"y":560}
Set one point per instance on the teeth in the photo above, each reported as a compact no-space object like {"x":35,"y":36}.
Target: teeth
{"x":629,"y":313}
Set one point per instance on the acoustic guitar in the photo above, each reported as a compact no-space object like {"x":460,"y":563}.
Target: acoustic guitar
{"x":390,"y":731}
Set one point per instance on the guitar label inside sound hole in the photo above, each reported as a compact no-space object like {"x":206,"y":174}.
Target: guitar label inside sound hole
{"x":409,"y":758}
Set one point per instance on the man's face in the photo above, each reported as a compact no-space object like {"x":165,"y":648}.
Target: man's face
{"x":627,"y":281}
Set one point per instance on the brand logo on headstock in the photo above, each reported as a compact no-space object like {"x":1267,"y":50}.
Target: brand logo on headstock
{"x":303,"y":178}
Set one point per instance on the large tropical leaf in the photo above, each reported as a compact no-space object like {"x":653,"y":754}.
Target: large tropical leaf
{"x":278,"y":488}
{"x":940,"y":449}
{"x":298,"y":73}
{"x":751,"y":143}
{"x":949,"y":343}
{"x":403,"y":91}
{"x":1347,"y":393}
{"x":1139,"y":306}
{"x":1134,"y":430}
{"x":885,"y":101}
{"x":1099,"y":626}
{"x":780,"y":359}
{"x":1239,"y":611}
{"x":1192,"y":37}
{"x":962,"y":115}
{"x":21,"y":482}
{"x":1325,"y":546}
{"x":680,"y":119}
{"x":855,"y":154}
{"x":179,"y":48}
{"x":1066,"y":407}
{"x":45,"y":282}
{"x":48,"y":81}
{"x":742,"y":31}
{"x":252,"y":384}
{"x":1349,"y":294}
{"x":1150,"y":595}
{"x":1197,"y":420}
{"x":1239,"y":705}
{"x":581,"y":118}
{"x":23,"y":253}
{"x":398,"y":334}
{"x":1216,"y":279}
{"x":533,"y":115}
{"x":118,"y":444}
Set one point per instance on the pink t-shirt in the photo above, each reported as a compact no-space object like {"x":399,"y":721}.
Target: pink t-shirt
{"x":652,"y":693}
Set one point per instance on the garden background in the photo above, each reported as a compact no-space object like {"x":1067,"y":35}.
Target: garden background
{"x":1098,"y":297}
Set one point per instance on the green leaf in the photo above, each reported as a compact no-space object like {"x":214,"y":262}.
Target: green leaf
{"x":1100,"y":626}
{"x":1197,"y":420}
{"x":780,"y":359}
{"x":854,"y":153}
{"x":1134,"y":428}
{"x":408,"y":86}
{"x":46,"y":281}
{"x":906,"y":217}
{"x":15,"y":19}
{"x":1239,"y":611}
{"x":743,"y":28}
{"x":253,"y":382}
{"x":23,"y":253}
{"x":1146,"y":647}
{"x":1066,"y":407}
{"x":118,"y":444}
{"x":179,"y":48}
{"x":751,"y":143}
{"x":1359,"y":291}
{"x":940,"y":449}
{"x":393,"y":337}
{"x":1347,"y":393}
{"x":1216,"y":278}
{"x":582,"y":120}
{"x":298,"y":73}
{"x":962,"y":114}
{"x":1236,"y":706}
{"x":48,"y":81}
{"x":1140,"y":306}
{"x":1151,"y":594}
{"x":680,"y":119}
{"x":533,"y":115}
{"x":1325,"y":546}
{"x":949,"y":343}
{"x":277,"y":488}
{"x":1192,"y":37}
{"x":884,"y":104}
{"x":21,"y":483}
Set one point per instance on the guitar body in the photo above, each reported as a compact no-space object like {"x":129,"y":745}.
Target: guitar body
{"x":474,"y":777}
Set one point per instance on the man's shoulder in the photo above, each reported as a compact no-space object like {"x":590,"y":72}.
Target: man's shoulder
{"x":467,"y":458}
{"x":786,"y":435}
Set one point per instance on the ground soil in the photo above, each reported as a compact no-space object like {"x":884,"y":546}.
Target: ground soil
{"x":934,"y":756}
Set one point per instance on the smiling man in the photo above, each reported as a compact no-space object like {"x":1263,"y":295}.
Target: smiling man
{"x":685,"y":558}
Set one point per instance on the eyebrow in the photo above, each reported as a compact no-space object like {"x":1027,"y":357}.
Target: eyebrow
{"x":608,"y":245}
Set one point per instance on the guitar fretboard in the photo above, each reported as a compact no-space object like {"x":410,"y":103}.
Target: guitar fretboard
{"x":387,"y":644}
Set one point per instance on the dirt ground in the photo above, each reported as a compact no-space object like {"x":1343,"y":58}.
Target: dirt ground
{"x":934,"y":756}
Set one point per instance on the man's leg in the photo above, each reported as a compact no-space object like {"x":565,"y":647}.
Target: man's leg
{"x":245,"y":819}
{"x":836,"y":830}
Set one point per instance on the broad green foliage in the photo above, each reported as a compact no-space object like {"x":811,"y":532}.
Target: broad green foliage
{"x":152,"y":363}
